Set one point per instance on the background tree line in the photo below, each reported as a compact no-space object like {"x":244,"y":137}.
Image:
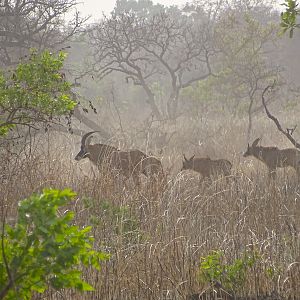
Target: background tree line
{"x":160,"y":62}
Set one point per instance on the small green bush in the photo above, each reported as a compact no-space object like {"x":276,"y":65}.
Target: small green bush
{"x":231,"y":276}
{"x":44,"y":249}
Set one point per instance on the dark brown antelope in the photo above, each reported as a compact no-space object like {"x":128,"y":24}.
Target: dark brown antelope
{"x":131,"y":163}
{"x":275,"y":158}
{"x":207,"y":167}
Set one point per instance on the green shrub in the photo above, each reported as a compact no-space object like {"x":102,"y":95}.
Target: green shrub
{"x":35,"y":92}
{"x":231,"y":276}
{"x":44,"y":249}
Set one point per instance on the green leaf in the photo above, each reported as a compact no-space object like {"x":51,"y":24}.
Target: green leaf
{"x":83,"y":286}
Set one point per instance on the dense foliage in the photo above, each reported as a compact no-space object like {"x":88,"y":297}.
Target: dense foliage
{"x":34,"y":92}
{"x":44,"y":249}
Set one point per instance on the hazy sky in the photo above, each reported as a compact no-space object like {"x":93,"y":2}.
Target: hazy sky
{"x":96,"y":7}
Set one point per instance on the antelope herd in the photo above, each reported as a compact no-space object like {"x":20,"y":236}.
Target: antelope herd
{"x":133,"y":163}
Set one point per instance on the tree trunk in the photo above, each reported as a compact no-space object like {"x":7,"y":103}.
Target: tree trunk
{"x":172,"y":104}
{"x":250,"y":119}
{"x":151,"y":102}
{"x":154,"y":107}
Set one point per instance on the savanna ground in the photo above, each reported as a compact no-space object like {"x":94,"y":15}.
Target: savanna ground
{"x":157,"y":234}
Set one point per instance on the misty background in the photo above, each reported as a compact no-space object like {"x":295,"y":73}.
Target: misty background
{"x":173,"y":80}
{"x":157,"y":76}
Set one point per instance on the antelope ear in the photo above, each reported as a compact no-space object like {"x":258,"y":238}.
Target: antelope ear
{"x":255,"y":142}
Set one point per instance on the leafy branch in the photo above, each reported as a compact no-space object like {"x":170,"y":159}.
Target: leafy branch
{"x":34,"y":92}
{"x":44,"y":249}
{"x":289,"y":17}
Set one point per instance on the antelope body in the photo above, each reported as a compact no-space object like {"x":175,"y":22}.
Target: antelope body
{"x":152,"y":166}
{"x":207,"y":167}
{"x":275,"y":158}
{"x":133,"y":163}
{"x":127,"y":163}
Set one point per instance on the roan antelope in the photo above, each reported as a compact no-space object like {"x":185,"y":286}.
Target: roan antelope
{"x":207,"y":167}
{"x":96,"y":153}
{"x":131,"y":163}
{"x":275,"y":158}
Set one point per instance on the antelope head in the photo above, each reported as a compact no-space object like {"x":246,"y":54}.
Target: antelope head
{"x":251,"y":149}
{"x":187,"y":163}
{"x":85,"y":142}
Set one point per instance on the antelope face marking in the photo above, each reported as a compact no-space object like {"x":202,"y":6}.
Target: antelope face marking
{"x":81,"y":154}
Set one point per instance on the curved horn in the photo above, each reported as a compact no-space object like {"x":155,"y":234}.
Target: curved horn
{"x":254,"y":144}
{"x":185,"y":157}
{"x":192,"y":157}
{"x":84,"y":138}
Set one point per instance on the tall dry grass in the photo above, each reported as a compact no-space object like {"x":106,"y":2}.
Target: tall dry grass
{"x":157,"y":233}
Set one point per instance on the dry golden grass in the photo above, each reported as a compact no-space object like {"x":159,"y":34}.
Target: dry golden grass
{"x":159,"y":234}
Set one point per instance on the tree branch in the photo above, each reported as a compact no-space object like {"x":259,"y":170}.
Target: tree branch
{"x":275,"y":120}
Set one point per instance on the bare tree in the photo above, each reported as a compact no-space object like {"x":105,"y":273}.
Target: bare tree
{"x":246,"y":43}
{"x":42,"y":24}
{"x":38,"y":23}
{"x":175,"y":49}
